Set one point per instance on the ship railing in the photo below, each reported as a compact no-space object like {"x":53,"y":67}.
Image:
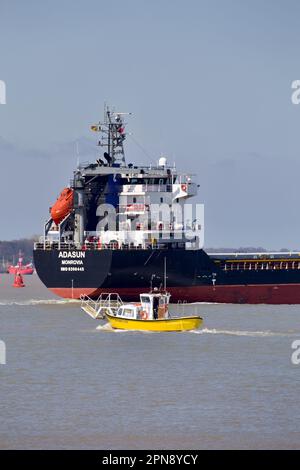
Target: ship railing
{"x":260,"y":265}
{"x":123,"y":246}
{"x":161,"y":188}
{"x":107,"y":302}
{"x":133,"y":208}
{"x":90,"y":307}
{"x":147,"y":188}
{"x":96,"y":246}
{"x":256,"y":254}
{"x":109,"y":299}
{"x":54,"y":245}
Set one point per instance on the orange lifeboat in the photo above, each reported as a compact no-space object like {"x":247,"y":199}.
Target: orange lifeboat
{"x":63,"y":205}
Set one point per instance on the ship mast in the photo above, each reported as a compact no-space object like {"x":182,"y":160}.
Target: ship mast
{"x":113,"y":136}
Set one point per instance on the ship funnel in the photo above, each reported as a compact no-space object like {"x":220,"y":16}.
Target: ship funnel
{"x":162,"y":162}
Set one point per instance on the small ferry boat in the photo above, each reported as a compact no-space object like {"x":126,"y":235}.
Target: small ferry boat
{"x":150,"y":314}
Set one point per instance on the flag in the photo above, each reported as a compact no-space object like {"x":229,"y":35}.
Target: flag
{"x":95,"y":128}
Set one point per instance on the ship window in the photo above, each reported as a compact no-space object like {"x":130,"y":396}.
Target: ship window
{"x":134,"y":199}
{"x":128,"y":312}
{"x":161,"y":199}
{"x":145,"y":299}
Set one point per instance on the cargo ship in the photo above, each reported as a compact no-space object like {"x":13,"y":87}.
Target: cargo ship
{"x":118,"y":224}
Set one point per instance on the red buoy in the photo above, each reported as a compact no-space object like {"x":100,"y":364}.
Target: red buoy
{"x":18,"y":282}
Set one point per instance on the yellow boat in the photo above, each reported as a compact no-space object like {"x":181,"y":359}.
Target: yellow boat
{"x":167,"y":324}
{"x":150,"y":314}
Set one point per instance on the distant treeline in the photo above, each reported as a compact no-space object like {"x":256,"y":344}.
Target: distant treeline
{"x":9,"y":250}
{"x":247,"y":249}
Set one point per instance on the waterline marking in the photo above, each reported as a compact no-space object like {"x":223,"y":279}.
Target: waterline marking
{"x":295,"y":358}
{"x":2,"y":353}
{"x":2,"y":92}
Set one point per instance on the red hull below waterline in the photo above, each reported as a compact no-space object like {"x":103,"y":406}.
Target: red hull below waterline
{"x":251,"y":294}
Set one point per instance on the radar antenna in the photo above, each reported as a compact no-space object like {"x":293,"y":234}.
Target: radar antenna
{"x":113,"y":135}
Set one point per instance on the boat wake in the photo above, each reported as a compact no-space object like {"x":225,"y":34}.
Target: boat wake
{"x":213,"y":331}
{"x":107,"y":328}
{"x":254,"y":334}
{"x":41,"y":302}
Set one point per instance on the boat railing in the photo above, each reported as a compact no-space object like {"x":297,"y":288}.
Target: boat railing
{"x":90,"y":307}
{"x":182,"y":306}
{"x":106,"y":302}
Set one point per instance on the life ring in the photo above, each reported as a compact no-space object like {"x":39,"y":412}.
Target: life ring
{"x":162,"y":310}
{"x":143,"y":315}
{"x":183,"y":187}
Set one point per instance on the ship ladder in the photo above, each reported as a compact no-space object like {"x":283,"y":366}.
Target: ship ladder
{"x":107,"y":302}
{"x":91,"y":307}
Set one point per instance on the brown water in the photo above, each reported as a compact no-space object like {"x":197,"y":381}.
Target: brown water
{"x":68,"y":385}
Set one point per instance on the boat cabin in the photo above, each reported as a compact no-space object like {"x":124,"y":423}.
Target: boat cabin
{"x":152,"y":306}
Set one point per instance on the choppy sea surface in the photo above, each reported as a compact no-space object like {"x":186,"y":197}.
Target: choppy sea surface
{"x":68,"y":385}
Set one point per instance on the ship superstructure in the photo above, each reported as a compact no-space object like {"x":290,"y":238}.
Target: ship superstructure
{"x":121,"y":206}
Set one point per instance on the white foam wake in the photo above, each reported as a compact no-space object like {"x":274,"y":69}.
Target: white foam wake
{"x":107,"y":327}
{"x":40,"y":302}
{"x":214,"y":331}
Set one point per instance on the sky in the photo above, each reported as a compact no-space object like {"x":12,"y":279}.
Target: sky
{"x":208,"y":83}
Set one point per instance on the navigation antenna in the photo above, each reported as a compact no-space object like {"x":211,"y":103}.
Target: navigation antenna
{"x":165,"y":274}
{"x":77,"y":152}
{"x":113,"y":136}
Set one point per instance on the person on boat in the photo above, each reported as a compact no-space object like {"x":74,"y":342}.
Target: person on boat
{"x":155,"y":307}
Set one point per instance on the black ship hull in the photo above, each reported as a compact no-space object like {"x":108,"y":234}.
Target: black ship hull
{"x":192,"y":276}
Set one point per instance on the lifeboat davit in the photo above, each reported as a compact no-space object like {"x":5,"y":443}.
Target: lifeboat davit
{"x":63,"y":205}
